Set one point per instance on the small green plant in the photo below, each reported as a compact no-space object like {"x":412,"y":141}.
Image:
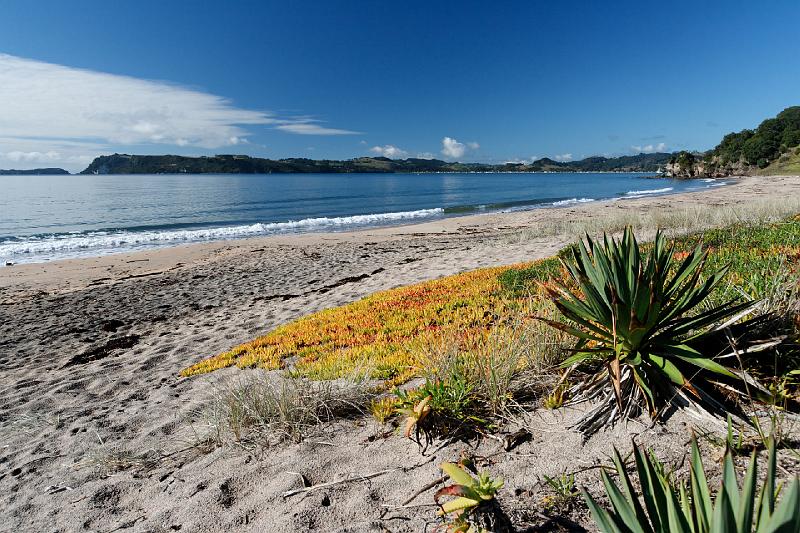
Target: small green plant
{"x":565,"y":491}
{"x":438,"y":408}
{"x":636,"y":318}
{"x":690,"y":509}
{"x":415,"y":416}
{"x":733,"y":441}
{"x":557,"y":397}
{"x":382,"y":409}
{"x":472,"y":498}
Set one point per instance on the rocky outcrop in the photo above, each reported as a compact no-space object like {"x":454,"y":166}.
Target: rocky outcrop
{"x":687,"y":165}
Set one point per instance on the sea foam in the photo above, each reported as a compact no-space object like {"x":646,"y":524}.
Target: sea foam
{"x":572,"y":201}
{"x":57,"y":246}
{"x":648,"y":191}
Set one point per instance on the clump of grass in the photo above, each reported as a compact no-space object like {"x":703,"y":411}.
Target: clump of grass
{"x":672,"y":221}
{"x":383,"y":408}
{"x":564,"y":492}
{"x":260,"y":409}
{"x":556,"y":399}
{"x":439,"y":408}
{"x":108,"y":460}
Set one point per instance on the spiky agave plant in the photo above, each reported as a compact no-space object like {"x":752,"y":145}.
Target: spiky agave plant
{"x":638,"y":317}
{"x":680,"y":509}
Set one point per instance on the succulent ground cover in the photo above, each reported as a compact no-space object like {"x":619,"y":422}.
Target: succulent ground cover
{"x":385,"y":333}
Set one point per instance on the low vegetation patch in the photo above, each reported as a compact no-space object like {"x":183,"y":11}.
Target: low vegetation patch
{"x":261,"y":409}
{"x":385,"y":334}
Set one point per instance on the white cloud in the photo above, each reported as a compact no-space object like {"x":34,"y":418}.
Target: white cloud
{"x":78,"y":113}
{"x":390,"y":151}
{"x":454,"y":149}
{"x":426,"y":155}
{"x":563,"y":158}
{"x":650,"y":148}
{"x":312,"y":128}
{"x":522,"y":161}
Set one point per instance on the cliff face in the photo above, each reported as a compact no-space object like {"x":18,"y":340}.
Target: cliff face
{"x":685,"y":165}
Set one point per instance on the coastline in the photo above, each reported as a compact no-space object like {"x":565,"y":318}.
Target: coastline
{"x":90,"y":351}
{"x":58,"y":244}
{"x":448,"y":223}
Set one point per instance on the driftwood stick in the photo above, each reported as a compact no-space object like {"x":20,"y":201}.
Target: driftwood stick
{"x":348,"y":479}
{"x":423,"y":489}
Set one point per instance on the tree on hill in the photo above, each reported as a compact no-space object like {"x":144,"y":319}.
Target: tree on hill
{"x":763,"y":145}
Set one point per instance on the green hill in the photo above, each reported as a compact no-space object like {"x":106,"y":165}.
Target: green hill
{"x":787,"y":164}
{"x":769,"y":149}
{"x":242,"y":164}
{"x":33,"y":172}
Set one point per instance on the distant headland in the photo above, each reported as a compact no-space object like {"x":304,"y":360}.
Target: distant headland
{"x":33,"y":172}
{"x":242,"y":164}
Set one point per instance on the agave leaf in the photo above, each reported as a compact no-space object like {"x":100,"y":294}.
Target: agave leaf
{"x":766,"y":500}
{"x":722,"y":520}
{"x":688,"y":267}
{"x":652,"y":491}
{"x":729,"y":480}
{"x":668,"y":368}
{"x":604,"y":520}
{"x":623,"y":507}
{"x":459,"y":504}
{"x":627,"y":486}
{"x":786,"y":518}
{"x":458,"y":474}
{"x":678,"y":522}
{"x":649,"y":398}
{"x":688,"y":510}
{"x":568,"y":329}
{"x":690,"y":355}
{"x":744,"y":515}
{"x":700,"y":493}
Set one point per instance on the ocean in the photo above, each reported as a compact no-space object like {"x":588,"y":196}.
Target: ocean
{"x":44,"y":218}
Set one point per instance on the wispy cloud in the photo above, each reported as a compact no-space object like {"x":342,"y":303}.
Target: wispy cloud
{"x":649,"y":148}
{"x":563,"y":158}
{"x":311,"y":128}
{"x":453,"y":149}
{"x":522,"y":160}
{"x":71,"y":113}
{"x":390,"y":151}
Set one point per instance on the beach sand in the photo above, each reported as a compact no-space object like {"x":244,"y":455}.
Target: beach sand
{"x":90,"y":351}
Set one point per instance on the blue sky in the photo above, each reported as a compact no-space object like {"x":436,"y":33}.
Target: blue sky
{"x":473,"y":81}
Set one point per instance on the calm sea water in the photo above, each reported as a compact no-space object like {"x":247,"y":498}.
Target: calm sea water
{"x":53,"y":217}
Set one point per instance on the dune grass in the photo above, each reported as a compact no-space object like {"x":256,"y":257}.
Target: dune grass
{"x":408,"y":332}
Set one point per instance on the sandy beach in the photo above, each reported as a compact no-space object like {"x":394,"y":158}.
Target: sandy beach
{"x":90,"y":351}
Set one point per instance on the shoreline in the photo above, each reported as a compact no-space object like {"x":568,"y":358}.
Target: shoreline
{"x":91,"y":349}
{"x":123,"y":241}
{"x":478,"y":214}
